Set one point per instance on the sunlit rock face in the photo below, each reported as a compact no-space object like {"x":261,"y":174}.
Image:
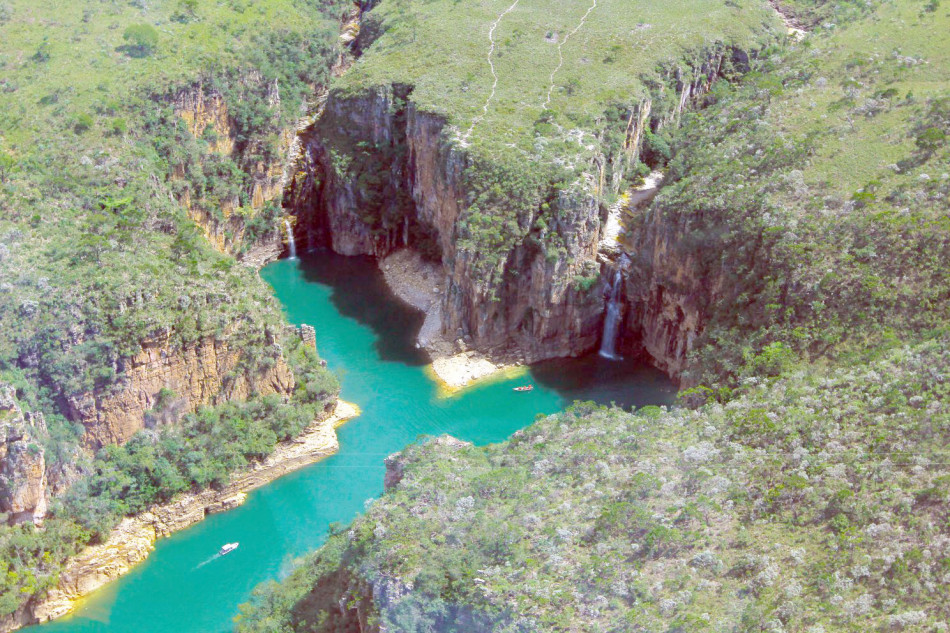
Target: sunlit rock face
{"x":22,"y":462}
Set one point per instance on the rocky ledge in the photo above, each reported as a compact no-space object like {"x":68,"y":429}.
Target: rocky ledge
{"x":420,"y":283}
{"x":133,"y":540}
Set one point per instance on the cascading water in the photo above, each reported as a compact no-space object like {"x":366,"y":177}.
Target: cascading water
{"x":291,"y":245}
{"x":608,"y":345}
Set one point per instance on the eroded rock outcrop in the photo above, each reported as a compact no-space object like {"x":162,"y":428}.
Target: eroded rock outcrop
{"x":23,"y":495}
{"x":224,"y":221}
{"x":377,"y":174}
{"x":205,"y":373}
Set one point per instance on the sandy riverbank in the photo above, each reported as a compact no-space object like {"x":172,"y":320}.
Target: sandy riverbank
{"x":133,"y":539}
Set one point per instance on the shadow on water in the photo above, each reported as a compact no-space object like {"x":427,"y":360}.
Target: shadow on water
{"x":359,"y":292}
{"x":626,"y":383}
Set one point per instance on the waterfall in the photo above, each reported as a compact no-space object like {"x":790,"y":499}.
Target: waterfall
{"x":608,"y":345}
{"x":291,"y":245}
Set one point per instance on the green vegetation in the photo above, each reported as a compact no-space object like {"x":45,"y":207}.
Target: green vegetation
{"x":440,"y":48}
{"x":815,"y":501}
{"x":817,"y":189}
{"x":98,"y":253}
{"x":803,"y":485}
{"x":142,"y":40}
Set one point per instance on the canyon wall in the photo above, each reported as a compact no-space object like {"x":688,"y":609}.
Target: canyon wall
{"x":224,"y":221}
{"x":667,"y":286}
{"x":377,"y":173}
{"x":529,"y":308}
{"x":201,"y":374}
{"x":23,"y":483}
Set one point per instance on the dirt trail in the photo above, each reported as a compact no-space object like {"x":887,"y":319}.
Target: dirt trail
{"x":560,"y":56}
{"x":795,"y":28}
{"x":491,"y":65}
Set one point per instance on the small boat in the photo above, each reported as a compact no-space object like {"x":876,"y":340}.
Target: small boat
{"x":227,"y":548}
{"x":524,"y":388}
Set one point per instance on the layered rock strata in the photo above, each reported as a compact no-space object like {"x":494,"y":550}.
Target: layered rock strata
{"x":205,"y":373}
{"x":23,"y":481}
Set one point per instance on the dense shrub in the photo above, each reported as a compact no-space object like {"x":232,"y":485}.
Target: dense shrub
{"x":793,"y":503}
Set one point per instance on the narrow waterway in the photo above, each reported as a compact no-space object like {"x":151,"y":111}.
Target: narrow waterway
{"x":366,"y":336}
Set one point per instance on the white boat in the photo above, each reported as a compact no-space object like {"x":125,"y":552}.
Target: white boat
{"x":227,"y":548}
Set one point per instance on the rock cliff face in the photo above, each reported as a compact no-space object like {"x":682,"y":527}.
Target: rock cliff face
{"x":378,"y":174}
{"x":666,"y":292}
{"x":202,"y":374}
{"x":206,"y":115}
{"x":528,"y":309}
{"x":22,"y":462}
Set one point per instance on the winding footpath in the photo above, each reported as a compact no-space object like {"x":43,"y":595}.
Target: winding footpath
{"x":560,"y":55}
{"x":491,"y":65}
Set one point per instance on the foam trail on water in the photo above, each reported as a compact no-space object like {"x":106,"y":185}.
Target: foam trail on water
{"x":203,"y":563}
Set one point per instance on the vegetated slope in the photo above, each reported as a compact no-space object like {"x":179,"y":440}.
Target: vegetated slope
{"x":119,"y":123}
{"x":816,"y":501}
{"x":606,"y":58}
{"x":442,"y":137}
{"x":804,"y":227}
{"x":805,"y":210}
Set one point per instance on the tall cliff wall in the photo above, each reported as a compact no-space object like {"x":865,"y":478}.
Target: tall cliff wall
{"x":23,"y":495}
{"x":409,"y":189}
{"x":377,"y":174}
{"x":205,"y":373}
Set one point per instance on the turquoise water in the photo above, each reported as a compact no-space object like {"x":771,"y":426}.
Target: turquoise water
{"x":366,"y":336}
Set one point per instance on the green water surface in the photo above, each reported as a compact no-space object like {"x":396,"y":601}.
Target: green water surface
{"x":367,"y":337}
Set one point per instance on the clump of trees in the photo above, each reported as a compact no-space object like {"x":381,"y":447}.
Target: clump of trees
{"x":141,"y":40}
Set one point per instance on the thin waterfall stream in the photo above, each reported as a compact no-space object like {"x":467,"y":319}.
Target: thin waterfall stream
{"x":608,"y":344}
{"x":291,"y":244}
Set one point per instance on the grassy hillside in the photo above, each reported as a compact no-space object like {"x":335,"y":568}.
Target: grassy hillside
{"x":543,"y":107}
{"x":601,"y":54}
{"x":97,"y":255}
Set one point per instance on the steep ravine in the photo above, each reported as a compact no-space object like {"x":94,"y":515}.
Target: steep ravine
{"x":378,"y":174}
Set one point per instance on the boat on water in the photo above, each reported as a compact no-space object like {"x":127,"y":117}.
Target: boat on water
{"x":227,"y":548}
{"x":524,"y":388}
